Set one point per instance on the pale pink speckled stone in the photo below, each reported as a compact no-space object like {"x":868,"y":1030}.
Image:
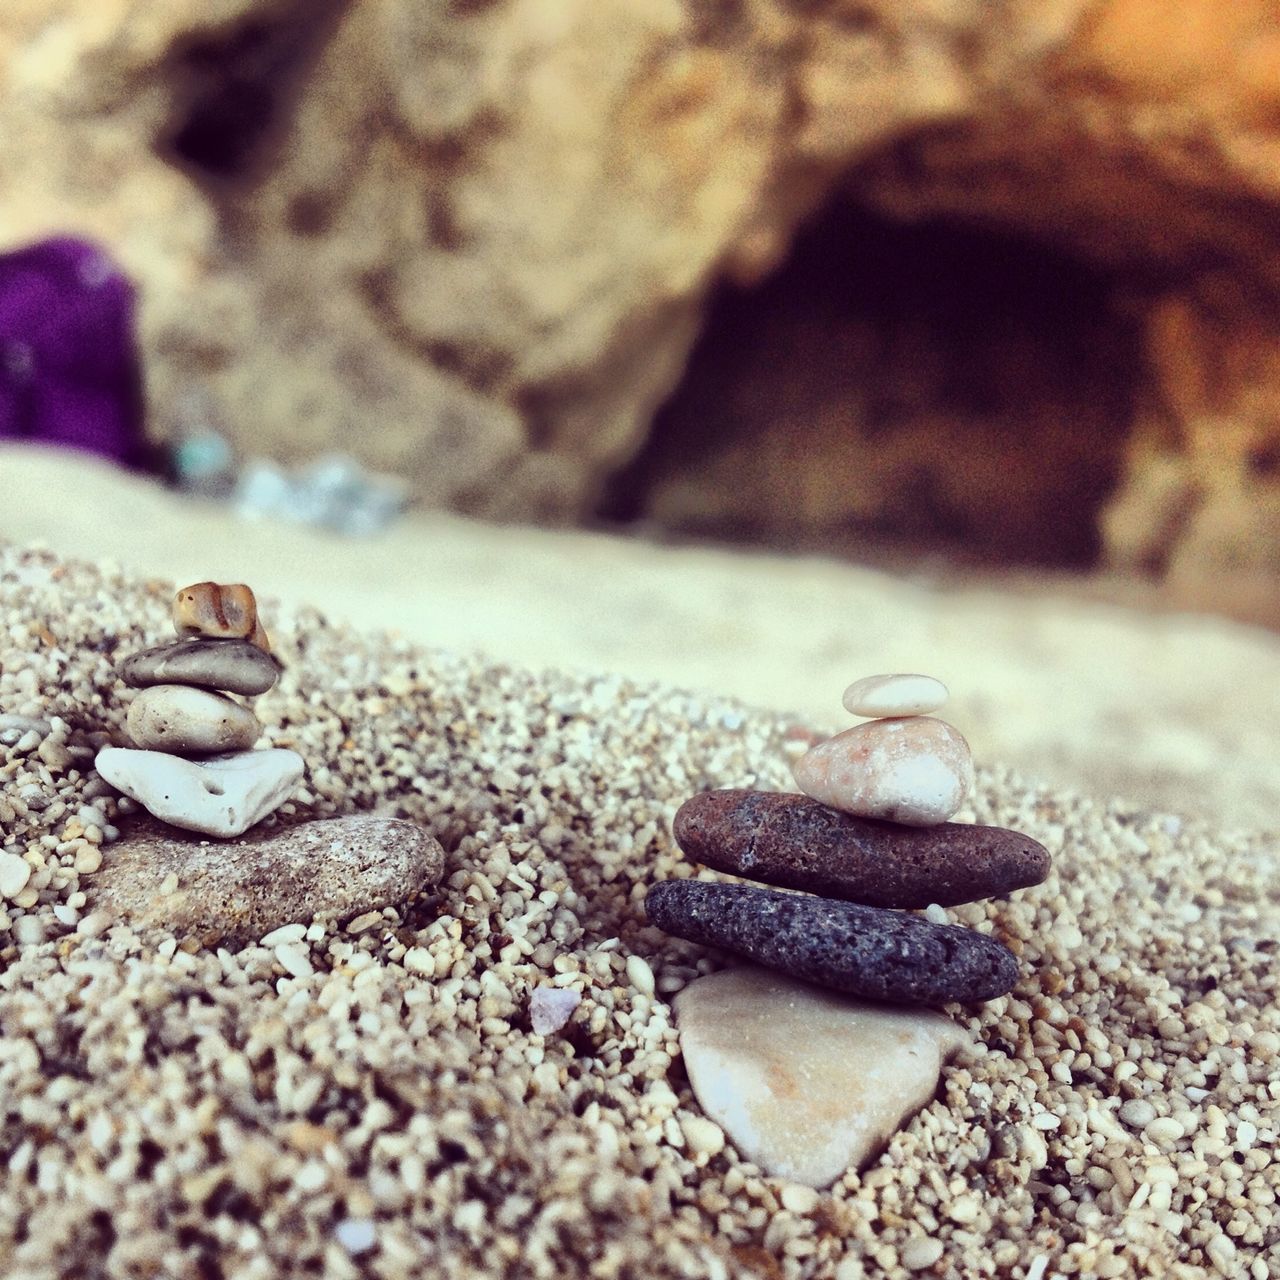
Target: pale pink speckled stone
{"x":807,"y":1084}
{"x":915,"y":770}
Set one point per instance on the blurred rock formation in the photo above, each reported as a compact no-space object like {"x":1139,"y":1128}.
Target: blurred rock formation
{"x":474,"y":243}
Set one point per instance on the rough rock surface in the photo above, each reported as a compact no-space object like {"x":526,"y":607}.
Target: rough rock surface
{"x":797,"y":843}
{"x":483,"y":233}
{"x":805,"y":1083}
{"x":235,"y":666}
{"x":238,"y":890}
{"x":217,"y":796}
{"x":863,"y":951}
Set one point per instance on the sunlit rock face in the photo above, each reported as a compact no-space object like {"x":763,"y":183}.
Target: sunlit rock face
{"x":475,"y":243}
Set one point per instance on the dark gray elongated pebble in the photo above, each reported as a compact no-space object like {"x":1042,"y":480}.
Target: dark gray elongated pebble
{"x":863,"y":951}
{"x":234,"y":666}
{"x":798,"y":843}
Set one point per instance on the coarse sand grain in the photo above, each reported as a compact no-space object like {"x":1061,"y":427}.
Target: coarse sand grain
{"x":385,"y":1110}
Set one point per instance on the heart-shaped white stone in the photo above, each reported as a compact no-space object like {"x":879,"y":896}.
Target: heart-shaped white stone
{"x":219,"y":796}
{"x":806,"y":1084}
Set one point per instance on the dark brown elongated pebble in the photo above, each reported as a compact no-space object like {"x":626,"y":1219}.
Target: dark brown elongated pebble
{"x":864,"y":951}
{"x":795,"y":842}
{"x":234,"y":666}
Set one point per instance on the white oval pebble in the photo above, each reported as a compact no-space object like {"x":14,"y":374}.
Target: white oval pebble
{"x":920,"y":1252}
{"x":895,"y":695}
{"x":356,"y":1235}
{"x":183,"y":719}
{"x":800,"y":1199}
{"x":915,"y":770}
{"x":640,"y":975}
{"x":14,"y":874}
{"x":1137,"y":1112}
{"x":1164,"y":1130}
{"x":702,"y":1136}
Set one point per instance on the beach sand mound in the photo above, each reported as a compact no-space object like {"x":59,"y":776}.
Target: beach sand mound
{"x":174,"y":1111}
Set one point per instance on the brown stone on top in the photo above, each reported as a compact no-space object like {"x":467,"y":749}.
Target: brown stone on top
{"x":797,"y":843}
{"x":225,"y":611}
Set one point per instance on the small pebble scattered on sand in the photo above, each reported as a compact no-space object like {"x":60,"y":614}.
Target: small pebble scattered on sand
{"x":216,"y":795}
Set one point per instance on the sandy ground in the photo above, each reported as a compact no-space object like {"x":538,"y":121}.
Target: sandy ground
{"x":369,"y":1099}
{"x":1172,"y":711}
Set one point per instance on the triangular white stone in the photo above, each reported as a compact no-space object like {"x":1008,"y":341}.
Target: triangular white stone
{"x":806,"y":1084}
{"x":218,"y":796}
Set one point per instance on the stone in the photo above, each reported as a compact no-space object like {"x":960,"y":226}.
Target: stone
{"x":226,"y":611}
{"x":238,"y":891}
{"x":797,"y":843}
{"x":218,"y":796}
{"x":15,"y":871}
{"x":806,"y":1084}
{"x":550,"y":1009}
{"x":233,"y":666}
{"x":862,"y":951}
{"x":181,"y":718}
{"x":914,"y":770}
{"x":895,"y":695}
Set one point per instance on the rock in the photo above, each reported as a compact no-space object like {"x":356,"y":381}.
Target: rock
{"x":550,"y":1008}
{"x":240,"y":890}
{"x":689,"y":143}
{"x":218,"y":796}
{"x":895,"y":695}
{"x":798,"y":843}
{"x":180,"y":718}
{"x":806,"y":1084}
{"x":862,"y":951}
{"x":15,"y":871}
{"x":915,"y":770}
{"x":222,"y":611}
{"x":234,"y":666}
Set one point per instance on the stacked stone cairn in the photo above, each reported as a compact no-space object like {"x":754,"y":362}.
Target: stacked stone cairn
{"x":193,"y":764}
{"x":867,"y":841}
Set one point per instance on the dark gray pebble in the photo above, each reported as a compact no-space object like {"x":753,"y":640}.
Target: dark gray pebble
{"x":233,"y":666}
{"x":798,"y":843}
{"x":863,"y":951}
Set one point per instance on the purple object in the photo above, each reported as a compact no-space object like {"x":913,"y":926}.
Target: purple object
{"x":69,"y":369}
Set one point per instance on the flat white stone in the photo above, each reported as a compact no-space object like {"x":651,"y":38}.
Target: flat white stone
{"x":550,"y":1008}
{"x":180,"y":717}
{"x":913,"y":769}
{"x":895,"y":695}
{"x":219,"y":796}
{"x":805,"y":1083}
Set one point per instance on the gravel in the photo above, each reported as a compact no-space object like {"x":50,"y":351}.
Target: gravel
{"x":353,"y":1109}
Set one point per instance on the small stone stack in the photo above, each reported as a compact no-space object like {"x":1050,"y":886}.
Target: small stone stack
{"x":869,"y":837}
{"x":194,"y":765}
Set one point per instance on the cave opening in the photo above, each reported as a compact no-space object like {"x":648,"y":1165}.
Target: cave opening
{"x":934,"y":387}
{"x":237,"y":89}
